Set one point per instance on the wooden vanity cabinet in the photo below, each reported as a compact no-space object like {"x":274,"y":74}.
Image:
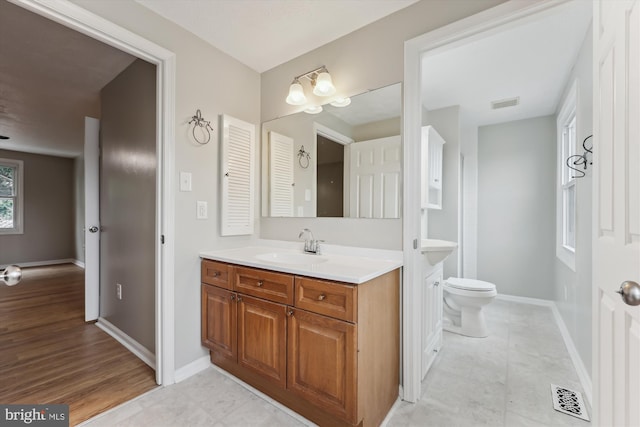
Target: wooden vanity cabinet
{"x":328,"y":350}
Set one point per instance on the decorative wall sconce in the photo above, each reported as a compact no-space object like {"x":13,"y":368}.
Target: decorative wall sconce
{"x":581,"y":159}
{"x":205,"y":126}
{"x":303,"y":157}
{"x":322,"y":85}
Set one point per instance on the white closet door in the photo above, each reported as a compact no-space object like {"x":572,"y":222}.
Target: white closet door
{"x":237,"y":166}
{"x":375,"y":178}
{"x":280,"y":175}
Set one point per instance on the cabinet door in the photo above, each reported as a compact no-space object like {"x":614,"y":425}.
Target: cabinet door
{"x":322,"y":362}
{"x":262,"y":338}
{"x":219,"y":321}
{"x":431,"y":319}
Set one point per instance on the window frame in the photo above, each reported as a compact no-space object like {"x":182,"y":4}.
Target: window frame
{"x":567,"y":118}
{"x":18,"y":204}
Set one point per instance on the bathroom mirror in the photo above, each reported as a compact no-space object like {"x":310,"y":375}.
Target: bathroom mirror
{"x":341,"y":162}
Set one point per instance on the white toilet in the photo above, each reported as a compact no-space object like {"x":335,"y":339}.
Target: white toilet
{"x":463,"y":302}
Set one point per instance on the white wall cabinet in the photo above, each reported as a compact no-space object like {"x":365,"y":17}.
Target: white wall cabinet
{"x":431,"y":315}
{"x":237,"y":165}
{"x":431,"y":178}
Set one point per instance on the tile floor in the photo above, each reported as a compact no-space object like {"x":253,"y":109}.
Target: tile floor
{"x":501,"y":380}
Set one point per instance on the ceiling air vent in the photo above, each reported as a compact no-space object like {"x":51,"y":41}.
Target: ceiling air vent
{"x":504,"y":103}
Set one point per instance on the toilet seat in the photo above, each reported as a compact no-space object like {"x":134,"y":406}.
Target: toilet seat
{"x":469,"y":284}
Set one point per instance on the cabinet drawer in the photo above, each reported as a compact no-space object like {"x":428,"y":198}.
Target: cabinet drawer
{"x":216,"y":273}
{"x":271,"y":286}
{"x":329,"y":298}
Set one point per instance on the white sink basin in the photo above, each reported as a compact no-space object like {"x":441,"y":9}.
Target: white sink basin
{"x":437,"y":250}
{"x":291,"y":258}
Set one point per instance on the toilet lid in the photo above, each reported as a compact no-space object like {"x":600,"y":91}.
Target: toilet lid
{"x":470,"y":284}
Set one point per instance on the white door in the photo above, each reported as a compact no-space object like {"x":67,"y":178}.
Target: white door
{"x":91,"y":219}
{"x":616,"y":253}
{"x":374,"y":179}
{"x":280,"y":175}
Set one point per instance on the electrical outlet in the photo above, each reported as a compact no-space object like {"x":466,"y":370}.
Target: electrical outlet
{"x":118,"y":291}
{"x":201,"y":210}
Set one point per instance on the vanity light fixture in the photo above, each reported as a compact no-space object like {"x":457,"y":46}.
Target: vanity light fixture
{"x":320,"y":82}
{"x":341,"y":102}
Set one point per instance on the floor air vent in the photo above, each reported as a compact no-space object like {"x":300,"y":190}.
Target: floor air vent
{"x":569,"y":402}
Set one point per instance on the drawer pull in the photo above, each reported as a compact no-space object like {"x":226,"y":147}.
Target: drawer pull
{"x":260,"y":283}
{"x":216,"y":274}
{"x":321,"y":297}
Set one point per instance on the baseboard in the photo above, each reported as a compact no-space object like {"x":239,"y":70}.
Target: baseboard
{"x":581,"y":370}
{"x":132,"y":345}
{"x":41,"y":263}
{"x":525,"y":300}
{"x":192,"y":368}
{"x":263,"y":396}
{"x":78,"y":263}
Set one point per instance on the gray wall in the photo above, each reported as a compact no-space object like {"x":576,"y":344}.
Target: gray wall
{"x":78,"y":209}
{"x":516,"y":206}
{"x":573,"y":289}
{"x":128,"y":202}
{"x":48,"y":211}
{"x":368,"y":58}
{"x":209,"y":80}
{"x":443,"y":223}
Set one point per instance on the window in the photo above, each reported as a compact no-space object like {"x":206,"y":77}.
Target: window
{"x":11,"y":205}
{"x":567,"y":190}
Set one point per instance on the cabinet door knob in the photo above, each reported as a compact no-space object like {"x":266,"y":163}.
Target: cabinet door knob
{"x":233,"y":297}
{"x":436,"y":283}
{"x":290,"y":312}
{"x":321,"y":297}
{"x":260,"y":283}
{"x":239,"y":298}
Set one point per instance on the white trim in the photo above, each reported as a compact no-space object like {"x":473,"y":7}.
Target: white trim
{"x":192,"y":368}
{"x":327,"y":132}
{"x":132,"y":345}
{"x":578,"y":364}
{"x":263,"y":396}
{"x":473,"y":28}
{"x":73,"y":16}
{"x":42,"y":263}
{"x":18,"y":209}
{"x":78,"y":263}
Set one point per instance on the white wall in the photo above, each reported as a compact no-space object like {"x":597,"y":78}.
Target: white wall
{"x":209,"y":80}
{"x":366,"y":59}
{"x":443,"y":223}
{"x":516,"y":206}
{"x":573,"y":289}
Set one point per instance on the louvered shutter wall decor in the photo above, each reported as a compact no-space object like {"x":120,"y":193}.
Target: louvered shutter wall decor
{"x":280,"y":175}
{"x":238,"y":176}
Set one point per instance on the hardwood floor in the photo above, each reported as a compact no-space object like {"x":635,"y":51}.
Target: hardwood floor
{"x":48,"y":354}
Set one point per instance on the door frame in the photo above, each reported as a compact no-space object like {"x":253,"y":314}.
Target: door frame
{"x":72,"y":16}
{"x":472,"y":28}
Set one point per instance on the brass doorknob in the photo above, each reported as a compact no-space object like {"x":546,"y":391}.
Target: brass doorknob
{"x":630,"y":292}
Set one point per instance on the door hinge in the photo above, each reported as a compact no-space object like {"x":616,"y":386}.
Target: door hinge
{"x":415,"y":243}
{"x":162,"y":239}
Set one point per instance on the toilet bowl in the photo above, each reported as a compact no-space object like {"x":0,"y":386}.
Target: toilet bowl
{"x":463,"y":302}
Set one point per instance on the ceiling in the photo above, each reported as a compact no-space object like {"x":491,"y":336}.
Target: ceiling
{"x":265,"y":33}
{"x":51,"y":76}
{"x":49,"y":80}
{"x":531,"y":60}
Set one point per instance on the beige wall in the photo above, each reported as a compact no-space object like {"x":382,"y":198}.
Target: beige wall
{"x":48,"y":211}
{"x":215,"y":83}
{"x":366,"y":59}
{"x":128,"y":202}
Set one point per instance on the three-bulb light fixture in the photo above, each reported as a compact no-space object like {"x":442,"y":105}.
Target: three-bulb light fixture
{"x":322,"y":86}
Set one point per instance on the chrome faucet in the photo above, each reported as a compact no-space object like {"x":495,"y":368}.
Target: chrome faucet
{"x":311,"y":245}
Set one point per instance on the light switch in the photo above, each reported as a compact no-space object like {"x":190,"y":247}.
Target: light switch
{"x":185,"y":181}
{"x":201,"y":210}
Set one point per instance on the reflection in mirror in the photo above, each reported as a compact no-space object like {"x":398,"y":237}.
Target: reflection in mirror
{"x":342,"y":162}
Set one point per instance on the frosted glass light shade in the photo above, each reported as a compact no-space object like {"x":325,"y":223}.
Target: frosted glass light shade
{"x":296,"y":94}
{"x":341,"y":102}
{"x":313,"y":109}
{"x":324,"y":86}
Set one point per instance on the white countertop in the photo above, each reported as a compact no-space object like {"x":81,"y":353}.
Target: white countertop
{"x":341,"y":263}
